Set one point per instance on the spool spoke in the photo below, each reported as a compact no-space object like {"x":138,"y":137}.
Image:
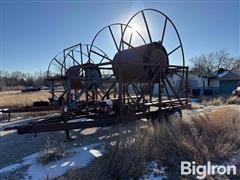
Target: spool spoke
{"x":168,"y":95}
{"x":59,"y":63}
{"x":57,"y":68}
{"x":121,"y":45}
{"x":173,"y":90}
{"x":74,"y":60}
{"x":164,"y":29}
{"x":174,"y":50}
{"x":108,"y":91}
{"x":135,"y":89}
{"x":146,"y":24}
{"x":88,"y":53}
{"x":81,"y":54}
{"x":103,"y":56}
{"x":129,"y":45}
{"x":114,"y":40}
{"x":143,"y":92}
{"x":105,"y":79}
{"x":130,"y":40}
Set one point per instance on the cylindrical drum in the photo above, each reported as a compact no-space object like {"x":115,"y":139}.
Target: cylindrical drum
{"x":91,"y":72}
{"x":139,"y":64}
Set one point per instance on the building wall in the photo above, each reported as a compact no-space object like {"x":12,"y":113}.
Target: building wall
{"x":227,"y":86}
{"x":215,"y":83}
{"x":217,"y":86}
{"x":195,"y":81}
{"x":201,"y":83}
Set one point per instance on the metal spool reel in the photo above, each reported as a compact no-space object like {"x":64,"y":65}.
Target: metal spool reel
{"x":74,"y":56}
{"x":75,"y":65}
{"x":111,"y":35}
{"x":79,"y":64}
{"x":54,"y":72}
{"x":55,"y":66}
{"x":151,"y":61}
{"x":59,"y":65}
{"x":81,"y":72}
{"x":78,"y":54}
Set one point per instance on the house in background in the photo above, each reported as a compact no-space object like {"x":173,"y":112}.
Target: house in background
{"x":197,"y":83}
{"x":224,"y":81}
{"x":221,"y":82}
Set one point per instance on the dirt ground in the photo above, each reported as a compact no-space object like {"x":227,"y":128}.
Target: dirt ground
{"x":17,"y":98}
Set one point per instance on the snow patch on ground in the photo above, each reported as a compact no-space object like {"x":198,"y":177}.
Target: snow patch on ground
{"x":78,"y":157}
{"x":234,"y":160}
{"x":154,"y":172}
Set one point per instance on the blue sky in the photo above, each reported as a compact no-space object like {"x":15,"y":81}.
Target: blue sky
{"x":32,"y":32}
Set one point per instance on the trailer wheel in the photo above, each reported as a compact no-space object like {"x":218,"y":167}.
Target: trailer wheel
{"x":175,"y":114}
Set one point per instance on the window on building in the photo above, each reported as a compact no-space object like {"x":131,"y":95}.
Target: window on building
{"x":208,"y":82}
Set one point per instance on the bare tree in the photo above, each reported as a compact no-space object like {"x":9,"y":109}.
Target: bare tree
{"x":18,"y":78}
{"x":208,"y":63}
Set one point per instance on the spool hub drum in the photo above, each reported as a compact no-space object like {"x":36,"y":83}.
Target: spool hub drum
{"x":130,"y":63}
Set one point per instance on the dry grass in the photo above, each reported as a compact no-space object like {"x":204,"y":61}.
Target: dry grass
{"x":51,"y":152}
{"x":197,"y":106}
{"x":233,"y":100}
{"x":204,"y":138}
{"x":129,"y":153}
{"x":212,"y":138}
{"x":216,"y":101}
{"x":17,"y":98}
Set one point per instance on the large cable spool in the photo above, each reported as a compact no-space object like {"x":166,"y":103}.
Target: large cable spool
{"x":154,"y":62}
{"x":130,"y":63}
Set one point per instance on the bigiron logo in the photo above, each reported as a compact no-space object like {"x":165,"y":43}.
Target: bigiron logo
{"x":202,"y":171}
